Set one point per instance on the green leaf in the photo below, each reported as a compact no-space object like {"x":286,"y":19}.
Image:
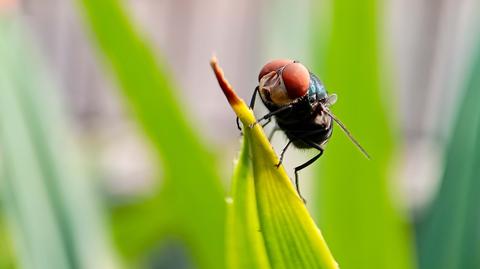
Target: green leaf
{"x":449,"y":235}
{"x":245,"y":246}
{"x":354,"y":204}
{"x":190,"y":205}
{"x":292,"y":240}
{"x":49,"y":197}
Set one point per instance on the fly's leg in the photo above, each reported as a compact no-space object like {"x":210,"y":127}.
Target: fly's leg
{"x":283,"y":153}
{"x":306,"y":164}
{"x":298,"y":168}
{"x":271,"y":114}
{"x":254,"y":97}
{"x":238,"y":125}
{"x":252,"y":104}
{"x":263,"y":125}
{"x":275,"y":129}
{"x":267,"y":122}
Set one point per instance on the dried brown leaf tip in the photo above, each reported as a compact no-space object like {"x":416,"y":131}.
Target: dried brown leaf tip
{"x":227,"y":89}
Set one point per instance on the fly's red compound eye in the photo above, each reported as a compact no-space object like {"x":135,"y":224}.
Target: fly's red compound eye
{"x":296,"y":79}
{"x":273,"y":66}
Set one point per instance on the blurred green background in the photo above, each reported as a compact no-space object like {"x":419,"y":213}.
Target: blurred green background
{"x":117,"y":146}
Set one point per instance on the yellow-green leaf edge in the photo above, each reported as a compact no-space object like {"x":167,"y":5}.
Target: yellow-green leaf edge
{"x":245,"y":245}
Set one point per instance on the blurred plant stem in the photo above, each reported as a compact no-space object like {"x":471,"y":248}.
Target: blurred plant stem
{"x":355,"y":209}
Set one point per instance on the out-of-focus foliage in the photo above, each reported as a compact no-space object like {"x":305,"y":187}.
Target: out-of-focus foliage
{"x":449,"y":235}
{"x":47,"y":192}
{"x":291,"y":238}
{"x":189,"y":206}
{"x":6,"y":256}
{"x":354,"y":206}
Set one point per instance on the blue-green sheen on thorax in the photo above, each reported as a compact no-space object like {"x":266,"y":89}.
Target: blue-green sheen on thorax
{"x":316,"y":91}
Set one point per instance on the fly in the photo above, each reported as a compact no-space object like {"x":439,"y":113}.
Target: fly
{"x":301,"y":106}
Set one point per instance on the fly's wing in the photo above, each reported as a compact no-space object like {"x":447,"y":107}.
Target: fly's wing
{"x":331,"y":99}
{"x":346,"y":131}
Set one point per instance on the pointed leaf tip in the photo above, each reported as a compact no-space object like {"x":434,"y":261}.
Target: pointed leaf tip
{"x":227,"y":89}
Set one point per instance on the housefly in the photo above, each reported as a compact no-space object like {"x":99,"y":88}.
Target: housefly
{"x":300,"y":104}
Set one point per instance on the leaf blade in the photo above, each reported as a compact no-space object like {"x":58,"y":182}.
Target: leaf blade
{"x":190,"y":183}
{"x":245,"y":244}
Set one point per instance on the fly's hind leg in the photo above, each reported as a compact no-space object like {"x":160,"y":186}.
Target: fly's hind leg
{"x":306,"y":164}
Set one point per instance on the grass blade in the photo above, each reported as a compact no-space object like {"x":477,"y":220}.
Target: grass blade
{"x":292,"y":239}
{"x":449,"y":235}
{"x":190,"y":205}
{"x":49,"y":198}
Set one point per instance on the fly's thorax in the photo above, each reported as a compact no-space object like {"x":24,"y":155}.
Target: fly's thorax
{"x":316,"y":89}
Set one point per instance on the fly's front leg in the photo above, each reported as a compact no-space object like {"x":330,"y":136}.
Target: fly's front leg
{"x":253,"y":98}
{"x":238,"y":125}
{"x":271,"y":114}
{"x":252,"y":104}
{"x":267,"y":122}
